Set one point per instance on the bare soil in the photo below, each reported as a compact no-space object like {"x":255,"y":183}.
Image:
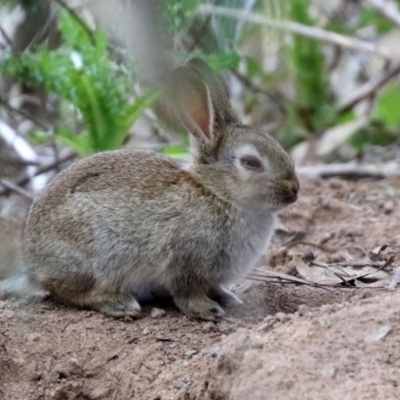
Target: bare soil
{"x":286,"y":342}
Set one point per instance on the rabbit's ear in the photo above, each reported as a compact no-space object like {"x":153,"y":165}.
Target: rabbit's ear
{"x":223,"y":113}
{"x":193,"y":103}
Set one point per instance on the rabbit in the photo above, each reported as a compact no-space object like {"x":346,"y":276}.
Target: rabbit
{"x":11,"y":257}
{"x":118,"y":227}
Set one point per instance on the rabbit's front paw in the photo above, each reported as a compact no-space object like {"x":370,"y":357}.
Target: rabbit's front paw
{"x":225,"y":297}
{"x":127,"y":307}
{"x":200,"y":307}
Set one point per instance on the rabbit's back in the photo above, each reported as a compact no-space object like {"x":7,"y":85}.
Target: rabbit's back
{"x":124,"y":218}
{"x":113,"y":171}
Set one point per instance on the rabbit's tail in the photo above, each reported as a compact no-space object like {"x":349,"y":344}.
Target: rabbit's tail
{"x":19,"y":285}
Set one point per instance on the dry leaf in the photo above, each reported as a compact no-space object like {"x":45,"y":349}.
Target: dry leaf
{"x":380,"y":334}
{"x":315,"y":274}
{"x":325,"y":274}
{"x":376,"y":254}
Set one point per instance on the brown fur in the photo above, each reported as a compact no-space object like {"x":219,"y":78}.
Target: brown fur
{"x":10,"y":246}
{"x":119,"y":226}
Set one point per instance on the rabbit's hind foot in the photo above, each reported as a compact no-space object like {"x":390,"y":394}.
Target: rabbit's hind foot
{"x":225,"y":297}
{"x":199,"y":307}
{"x":126,"y":306}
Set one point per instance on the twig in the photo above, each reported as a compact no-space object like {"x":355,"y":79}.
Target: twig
{"x":79,"y":20}
{"x":347,"y":264}
{"x":353,"y":277}
{"x":197,"y":35}
{"x":14,"y":188}
{"x":10,"y":108}
{"x":114,"y":356}
{"x":42,"y":31}
{"x":299,"y":29}
{"x":9,"y":41}
{"x":7,"y":160}
{"x":306,"y":243}
{"x":84,"y":339}
{"x":164,"y":339}
{"x":388,"y":9}
{"x":367,"y":89}
{"x":387,"y":263}
{"x":245,"y":80}
{"x":346,"y":282}
{"x":71,"y":321}
{"x":261,"y":277}
{"x":351,"y":171}
{"x":278,"y":275}
{"x":45,"y":168}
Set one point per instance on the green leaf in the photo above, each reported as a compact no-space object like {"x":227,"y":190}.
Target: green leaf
{"x":387,"y":108}
{"x":178,"y":14}
{"x":219,"y":62}
{"x":370,"y":16}
{"x":346,"y":117}
{"x":95,"y":114}
{"x":179,"y":153}
{"x":135,"y":110}
{"x":83,"y":75}
{"x":72,"y":31}
{"x":39,"y":137}
{"x":79,"y":144}
{"x":376,"y":134}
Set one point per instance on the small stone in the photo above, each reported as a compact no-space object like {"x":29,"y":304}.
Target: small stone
{"x":280,"y":316}
{"x":224,"y":328}
{"x":302,"y":308}
{"x":331,"y":372}
{"x":267,"y":323}
{"x":388,"y":207}
{"x":179,"y":384}
{"x":265,"y":326}
{"x":356,"y":198}
{"x":208,"y":327}
{"x":157,"y":313}
{"x":215,"y":352}
{"x":380,"y":334}
{"x":47,"y":364}
{"x":101,"y":393}
{"x":146,"y":331}
{"x":191,"y":353}
{"x":34,"y":337}
{"x":360,"y":343}
{"x":54,"y":377}
{"x":2,"y":305}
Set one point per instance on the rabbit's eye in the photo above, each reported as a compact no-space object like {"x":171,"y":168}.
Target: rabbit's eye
{"x":251,"y":162}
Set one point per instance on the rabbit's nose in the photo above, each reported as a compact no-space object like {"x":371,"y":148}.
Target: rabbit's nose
{"x":292,"y":189}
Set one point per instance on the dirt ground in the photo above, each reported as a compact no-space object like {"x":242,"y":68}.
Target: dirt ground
{"x":286,"y":342}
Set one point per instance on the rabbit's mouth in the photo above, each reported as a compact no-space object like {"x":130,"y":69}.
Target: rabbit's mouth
{"x":291,"y":198}
{"x":288,"y":191}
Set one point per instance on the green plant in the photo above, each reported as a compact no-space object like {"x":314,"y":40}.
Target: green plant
{"x":310,"y":108}
{"x":82,"y":72}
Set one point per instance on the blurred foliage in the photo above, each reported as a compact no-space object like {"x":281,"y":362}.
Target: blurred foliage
{"x":178,"y":14}
{"x":82,"y":73}
{"x":218,"y":62}
{"x":387,"y":106}
{"x":375,"y":18}
{"x":376,"y":134}
{"x":310,"y":108}
{"x":292,"y":92}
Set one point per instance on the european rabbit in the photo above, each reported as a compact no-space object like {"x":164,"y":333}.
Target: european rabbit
{"x":10,"y":246}
{"x":119,"y":226}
